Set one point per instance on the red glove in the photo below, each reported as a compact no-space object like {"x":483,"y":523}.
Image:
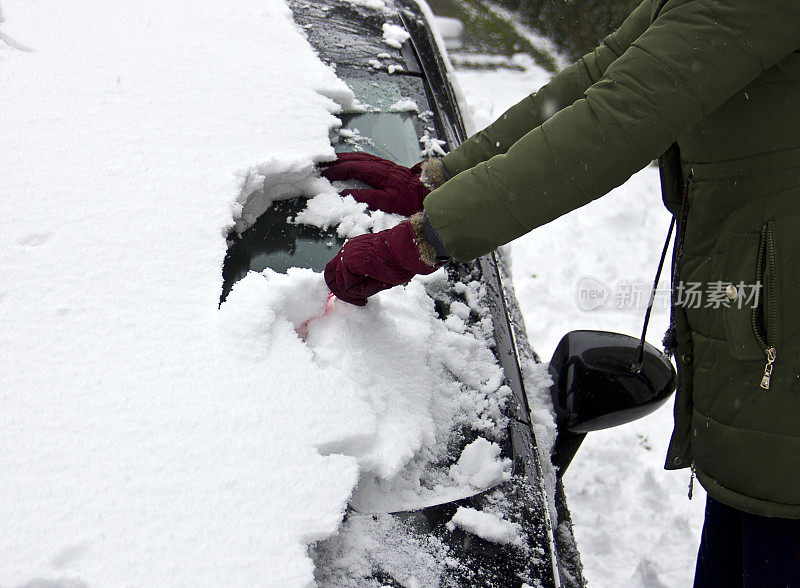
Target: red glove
{"x":394,"y":188}
{"x":373,"y":262}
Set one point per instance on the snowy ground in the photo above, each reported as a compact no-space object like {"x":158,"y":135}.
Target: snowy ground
{"x":633,"y":522}
{"x":148,"y":437}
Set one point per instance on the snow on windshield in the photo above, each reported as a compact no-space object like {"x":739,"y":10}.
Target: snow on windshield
{"x":148,"y":437}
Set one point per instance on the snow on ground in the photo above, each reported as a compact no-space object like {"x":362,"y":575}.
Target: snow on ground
{"x":633,"y":522}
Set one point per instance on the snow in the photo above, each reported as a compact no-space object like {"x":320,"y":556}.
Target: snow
{"x":431,"y":147}
{"x":378,"y":5}
{"x":404,"y":105}
{"x":365,"y":543}
{"x":275,"y":179}
{"x":426,"y":378}
{"x":486,"y":525}
{"x":149,"y":438}
{"x":394,"y":35}
{"x":449,"y":28}
{"x":480,"y":465}
{"x":351,"y":218}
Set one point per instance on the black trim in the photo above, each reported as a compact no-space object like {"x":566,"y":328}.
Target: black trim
{"x":433,"y":237}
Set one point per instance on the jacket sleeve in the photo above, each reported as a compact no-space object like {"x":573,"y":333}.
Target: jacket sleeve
{"x":565,"y":88}
{"x":689,"y":61}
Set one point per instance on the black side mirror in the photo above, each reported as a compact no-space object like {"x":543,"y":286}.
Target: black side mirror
{"x":598,"y":383}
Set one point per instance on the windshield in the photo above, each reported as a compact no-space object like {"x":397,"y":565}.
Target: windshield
{"x":396,"y":116}
{"x":388,"y":135}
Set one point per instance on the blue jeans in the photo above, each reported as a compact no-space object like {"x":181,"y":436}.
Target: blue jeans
{"x":738,"y":549}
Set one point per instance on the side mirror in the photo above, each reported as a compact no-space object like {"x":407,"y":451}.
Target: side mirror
{"x":596,"y":385}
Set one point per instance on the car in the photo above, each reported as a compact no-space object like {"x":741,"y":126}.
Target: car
{"x":594,"y":385}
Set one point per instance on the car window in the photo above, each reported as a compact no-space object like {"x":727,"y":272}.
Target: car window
{"x":396,"y":116}
{"x":387,"y":127}
{"x":388,"y":135}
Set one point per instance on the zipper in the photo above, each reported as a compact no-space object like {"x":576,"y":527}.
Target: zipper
{"x":765,"y":269}
{"x":687,"y":189}
{"x":680,"y":237}
{"x":691,"y":482}
{"x":766,"y":379}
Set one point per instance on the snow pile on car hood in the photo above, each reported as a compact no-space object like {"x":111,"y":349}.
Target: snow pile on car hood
{"x":394,"y":380}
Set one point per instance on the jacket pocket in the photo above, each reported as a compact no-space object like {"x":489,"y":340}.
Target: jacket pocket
{"x":765,"y":313}
{"x":751,"y":315}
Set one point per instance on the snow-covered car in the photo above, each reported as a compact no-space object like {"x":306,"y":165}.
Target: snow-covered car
{"x":512,"y":528}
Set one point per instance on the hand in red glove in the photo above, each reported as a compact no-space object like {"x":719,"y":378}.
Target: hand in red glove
{"x":395,"y":188}
{"x":373,"y":262}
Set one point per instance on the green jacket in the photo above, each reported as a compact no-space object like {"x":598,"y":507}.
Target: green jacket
{"x":722,"y":79}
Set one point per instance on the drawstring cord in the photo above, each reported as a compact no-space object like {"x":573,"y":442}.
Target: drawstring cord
{"x":670,"y":339}
{"x":636,"y":367}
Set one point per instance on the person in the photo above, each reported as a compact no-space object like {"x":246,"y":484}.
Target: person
{"x":712,"y":89}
